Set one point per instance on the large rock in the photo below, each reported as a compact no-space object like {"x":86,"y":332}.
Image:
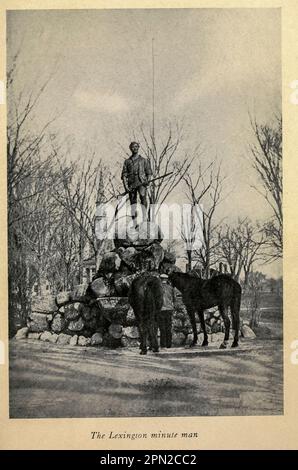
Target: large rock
{"x":72,"y":311}
{"x":76,"y":325}
{"x":157,"y":253}
{"x":53,"y":339}
{"x":46,"y":336}
{"x":83,"y":341}
{"x":247,"y":332}
{"x":124,"y":341}
{"x":114,"y":309}
{"x":95,"y":311}
{"x":44,"y":304}
{"x":216,"y":327}
{"x":129,"y":342}
{"x":110,"y":263}
{"x":179,"y":339}
{"x":79,"y":293}
{"x":91,"y":316}
{"x":200,"y":338}
{"x":149,"y":258}
{"x":123,"y":283}
{"x":96,"y":339}
{"x":130,"y":318}
{"x":131,"y":332}
{"x":177,"y":324}
{"x":128,"y":256}
{"x":63,"y":339}
{"x":89,"y":313}
{"x":102,"y":322}
{"x":91,"y":326}
{"x":124,"y":270}
{"x":34,"y":335}
{"x":73,"y":340}
{"x":100,"y":288}
{"x":115,"y":331}
{"x":207,"y":316}
{"x":182,"y":326}
{"x":37,"y":322}
{"x":180,"y":311}
{"x":217,"y":337}
{"x":169,"y":257}
{"x":22,"y":333}
{"x":63,"y":298}
{"x":58,"y":324}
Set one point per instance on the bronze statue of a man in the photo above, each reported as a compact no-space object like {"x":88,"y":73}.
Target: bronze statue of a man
{"x":135,"y":176}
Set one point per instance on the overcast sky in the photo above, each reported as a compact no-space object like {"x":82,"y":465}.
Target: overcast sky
{"x":212,"y":66}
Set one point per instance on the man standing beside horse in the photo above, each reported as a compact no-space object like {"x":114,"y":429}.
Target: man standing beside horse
{"x":166,"y":312}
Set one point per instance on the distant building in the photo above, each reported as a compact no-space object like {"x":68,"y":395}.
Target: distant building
{"x":89,"y":269}
{"x":41,"y":288}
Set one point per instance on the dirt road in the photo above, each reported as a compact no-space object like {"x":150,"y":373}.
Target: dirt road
{"x":51,"y":381}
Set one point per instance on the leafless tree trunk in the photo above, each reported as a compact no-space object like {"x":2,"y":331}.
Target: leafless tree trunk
{"x":28,"y":163}
{"x":240,"y":247}
{"x":206,"y":189}
{"x":254,"y":289}
{"x":78,"y":198}
{"x":267,"y":161}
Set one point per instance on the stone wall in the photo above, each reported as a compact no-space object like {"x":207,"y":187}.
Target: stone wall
{"x":91,"y":323}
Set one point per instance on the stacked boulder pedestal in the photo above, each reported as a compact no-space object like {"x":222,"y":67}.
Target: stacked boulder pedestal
{"x":98,"y":313}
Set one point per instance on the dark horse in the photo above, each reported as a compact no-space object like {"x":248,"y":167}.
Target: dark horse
{"x":200,"y":294}
{"x":146,"y":298}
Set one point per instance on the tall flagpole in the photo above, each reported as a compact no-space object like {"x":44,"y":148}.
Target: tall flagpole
{"x":153,"y":92}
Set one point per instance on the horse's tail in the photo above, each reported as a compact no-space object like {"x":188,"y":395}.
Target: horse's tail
{"x":153,"y":299}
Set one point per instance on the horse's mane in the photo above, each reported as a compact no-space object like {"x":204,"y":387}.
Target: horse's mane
{"x":187,"y":275}
{"x":188,"y":278}
{"x":180,"y":273}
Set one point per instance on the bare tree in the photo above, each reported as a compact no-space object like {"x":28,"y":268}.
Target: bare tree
{"x":204,"y":191}
{"x":172,"y":246}
{"x":63,"y":270}
{"x":191,"y":229}
{"x":28,"y":163}
{"x":254,"y":288}
{"x":267,"y":161}
{"x":240,"y":247}
{"x":230,"y":248}
{"x":78,"y":197}
{"x":51,"y":204}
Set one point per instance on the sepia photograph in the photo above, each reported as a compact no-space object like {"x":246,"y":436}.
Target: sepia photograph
{"x":144,"y":212}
